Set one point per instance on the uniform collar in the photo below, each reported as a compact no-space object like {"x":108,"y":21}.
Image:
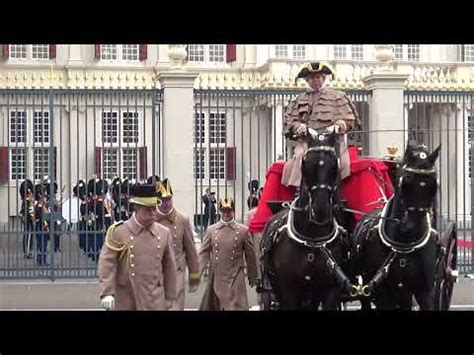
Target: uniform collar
{"x":170,"y":216}
{"x":136,"y":228}
{"x":223,"y":224}
{"x":310,"y":90}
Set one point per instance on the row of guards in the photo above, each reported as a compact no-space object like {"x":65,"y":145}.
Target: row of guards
{"x":94,"y":206}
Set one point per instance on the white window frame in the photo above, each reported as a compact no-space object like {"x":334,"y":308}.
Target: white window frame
{"x":352,"y":51}
{"x":299,"y":48}
{"x":220,"y":162}
{"x":343,"y":48}
{"x":126,"y":131}
{"x":30,"y":146}
{"x":45,"y":153}
{"x":349,"y":52}
{"x":107,"y":127}
{"x":120,"y":55}
{"x":29,"y":54}
{"x":124,"y":166}
{"x":201,"y":162}
{"x":110,"y":171}
{"x":468,"y":53}
{"x":205,"y":48}
{"x":208,"y":146}
{"x":120,"y":144}
{"x":44,"y":142}
{"x":120,"y":141}
{"x":26,"y":124}
{"x":405,"y":51}
{"x":11,"y":160}
{"x":290,"y":51}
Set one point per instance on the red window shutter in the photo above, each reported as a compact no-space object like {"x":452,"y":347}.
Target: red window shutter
{"x":231,"y":53}
{"x":230,"y":163}
{"x":6,"y":51}
{"x":98,"y":161}
{"x":52,"y":51}
{"x":142,"y":163}
{"x":4,"y":166}
{"x":142,"y":52}
{"x":97,"y":52}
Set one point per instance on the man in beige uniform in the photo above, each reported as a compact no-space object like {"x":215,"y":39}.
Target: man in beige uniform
{"x":137,"y":269}
{"x":183,"y":242}
{"x":225,"y":245}
{"x":318,"y":109}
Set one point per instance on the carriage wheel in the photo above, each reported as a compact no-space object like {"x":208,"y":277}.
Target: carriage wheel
{"x":443,"y":288}
{"x":449,"y":263}
{"x":439,"y":283}
{"x":445,"y":294}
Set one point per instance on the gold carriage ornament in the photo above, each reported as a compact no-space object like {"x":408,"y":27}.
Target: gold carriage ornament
{"x":392,"y":151}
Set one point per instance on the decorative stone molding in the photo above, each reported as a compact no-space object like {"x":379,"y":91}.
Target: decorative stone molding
{"x":275,"y":74}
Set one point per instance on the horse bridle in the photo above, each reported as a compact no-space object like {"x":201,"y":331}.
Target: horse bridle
{"x":415,"y":171}
{"x":312,"y":188}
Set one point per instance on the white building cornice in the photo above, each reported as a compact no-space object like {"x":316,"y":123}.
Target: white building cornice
{"x":274,"y":74}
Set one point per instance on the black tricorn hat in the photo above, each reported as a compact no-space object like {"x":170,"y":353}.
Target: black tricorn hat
{"x":315,"y":67}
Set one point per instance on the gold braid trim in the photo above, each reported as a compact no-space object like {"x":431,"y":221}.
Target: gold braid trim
{"x":194,"y":275}
{"x":113,"y":245}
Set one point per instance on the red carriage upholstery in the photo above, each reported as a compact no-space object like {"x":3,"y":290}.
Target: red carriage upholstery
{"x":273,"y":191}
{"x":361,"y":190}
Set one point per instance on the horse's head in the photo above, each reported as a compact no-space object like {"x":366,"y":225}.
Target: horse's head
{"x":417,"y":185}
{"x":320,"y":168}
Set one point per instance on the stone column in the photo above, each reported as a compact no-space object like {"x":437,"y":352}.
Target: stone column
{"x":386,"y":116}
{"x":177,"y":124}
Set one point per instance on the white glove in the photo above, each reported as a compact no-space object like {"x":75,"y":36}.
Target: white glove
{"x":300,"y":130}
{"x":333,"y":128}
{"x":193,"y":288}
{"x":108,"y":302}
{"x":168,"y":304}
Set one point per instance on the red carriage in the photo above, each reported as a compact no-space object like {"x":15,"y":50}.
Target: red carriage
{"x":368,"y":188}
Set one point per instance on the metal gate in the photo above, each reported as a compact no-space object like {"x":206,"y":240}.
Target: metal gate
{"x":59,"y":137}
{"x":237,"y":136}
{"x":446,"y":118}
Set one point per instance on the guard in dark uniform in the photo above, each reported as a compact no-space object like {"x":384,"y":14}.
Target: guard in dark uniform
{"x":27,"y":214}
{"x":41,"y":226}
{"x":95,"y":217}
{"x":54,"y":207}
{"x":125,"y":206}
{"x":80,"y":191}
{"x":116,"y":190}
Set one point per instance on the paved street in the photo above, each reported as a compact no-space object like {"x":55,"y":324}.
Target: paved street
{"x":83,"y":295}
{"x":78,"y":293}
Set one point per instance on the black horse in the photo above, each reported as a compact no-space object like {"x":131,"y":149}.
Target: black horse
{"x":395,"y":250}
{"x":303,"y":247}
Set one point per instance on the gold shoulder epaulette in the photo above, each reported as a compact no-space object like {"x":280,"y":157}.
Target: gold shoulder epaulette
{"x":113,"y":245}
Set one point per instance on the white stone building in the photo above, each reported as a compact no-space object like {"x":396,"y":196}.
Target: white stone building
{"x":131,"y":110}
